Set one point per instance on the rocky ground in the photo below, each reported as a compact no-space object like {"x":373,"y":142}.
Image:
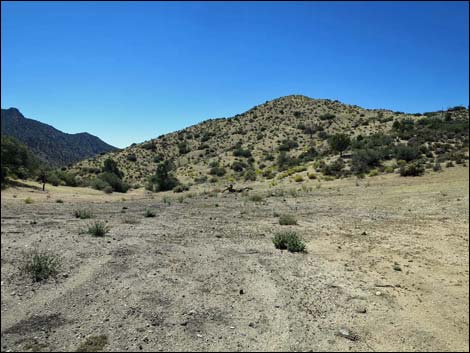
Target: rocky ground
{"x":386,"y":268}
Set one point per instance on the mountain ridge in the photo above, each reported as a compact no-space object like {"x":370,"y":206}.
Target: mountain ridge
{"x":49,"y":144}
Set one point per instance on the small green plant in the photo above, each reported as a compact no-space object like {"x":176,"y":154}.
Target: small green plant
{"x":288,"y":240}
{"x":287,"y":220}
{"x":82,"y":214}
{"x":312,"y":176}
{"x":40,"y":265}
{"x":28,"y":200}
{"x":149,"y":213}
{"x":93,"y":344}
{"x":98,"y":229}
{"x":298,"y":178}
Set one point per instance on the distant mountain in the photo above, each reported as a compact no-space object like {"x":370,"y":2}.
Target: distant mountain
{"x":49,"y":144}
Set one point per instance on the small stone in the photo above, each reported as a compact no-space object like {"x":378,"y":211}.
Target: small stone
{"x":346,"y":333}
{"x":378,"y":293}
{"x":361,"y":310}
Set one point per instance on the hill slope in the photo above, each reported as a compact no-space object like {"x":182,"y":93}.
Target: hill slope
{"x":295,"y":128}
{"x":49,"y":144}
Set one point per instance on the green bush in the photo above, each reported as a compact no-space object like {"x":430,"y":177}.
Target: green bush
{"x":83,"y":214}
{"x":339,"y":143}
{"x":327,"y":116}
{"x":219,"y":171}
{"x":407,"y":152}
{"x":288,"y":240}
{"x":240,"y":152}
{"x":163,"y":179}
{"x":40,"y":265}
{"x":412,"y":169}
{"x":149,"y":213}
{"x":181,"y":188}
{"x":250,"y":175}
{"x":98,"y":229}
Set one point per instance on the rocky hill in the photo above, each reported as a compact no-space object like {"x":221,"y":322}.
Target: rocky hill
{"x":49,"y":144}
{"x":291,"y":137}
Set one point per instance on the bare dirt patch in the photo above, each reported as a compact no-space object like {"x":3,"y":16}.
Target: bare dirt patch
{"x":386,"y":264}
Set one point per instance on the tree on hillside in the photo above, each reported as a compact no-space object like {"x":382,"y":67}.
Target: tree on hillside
{"x":16,"y":160}
{"x":339,"y":143}
{"x":110,"y":166}
{"x":163,"y":179}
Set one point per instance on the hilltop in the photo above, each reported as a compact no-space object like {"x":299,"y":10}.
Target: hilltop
{"x":50,"y":145}
{"x":291,"y":137}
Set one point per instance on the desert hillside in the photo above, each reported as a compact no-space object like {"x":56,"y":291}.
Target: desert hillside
{"x":289,"y":139}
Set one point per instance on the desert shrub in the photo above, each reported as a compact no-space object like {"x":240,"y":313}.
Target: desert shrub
{"x":364,"y":159}
{"x":250,"y":175}
{"x":298,"y":178}
{"x":287,"y":145}
{"x":437,"y":167}
{"x":373,"y":172}
{"x":149,"y":213}
{"x":183,"y":148}
{"x":163,"y":179}
{"x":308,"y":155}
{"x":268,"y":174}
{"x":287,"y":220}
{"x":114,"y":181}
{"x":312,"y":175}
{"x":200,"y":180}
{"x":39,"y":265}
{"x":449,"y":164}
{"x":110,"y":166}
{"x":335,"y":168}
{"x":217,"y":170}
{"x":284,"y":161}
{"x":98,"y":229}
{"x":52,"y":178}
{"x":339,"y":142}
{"x":240,"y":152}
{"x":99,"y":184}
{"x":181,"y":188}
{"x":327,"y":116}
{"x":407,"y":152}
{"x":83,"y":214}
{"x":16,"y":160}
{"x":288,"y":240}
{"x":28,"y":200}
{"x":239,"y":166}
{"x":412,"y":169}
{"x":70,"y":179}
{"x":131,"y":157}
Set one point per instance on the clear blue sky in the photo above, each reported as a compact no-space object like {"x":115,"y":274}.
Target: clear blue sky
{"x":130,"y":71}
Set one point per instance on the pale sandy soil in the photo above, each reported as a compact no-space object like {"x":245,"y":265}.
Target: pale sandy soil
{"x":173,"y":282}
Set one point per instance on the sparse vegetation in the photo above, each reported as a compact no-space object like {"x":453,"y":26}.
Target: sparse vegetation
{"x":82,"y":213}
{"x":39,"y":264}
{"x":98,"y":229}
{"x":288,"y":240}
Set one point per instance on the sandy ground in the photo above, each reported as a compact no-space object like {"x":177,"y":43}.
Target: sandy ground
{"x":203,"y":274}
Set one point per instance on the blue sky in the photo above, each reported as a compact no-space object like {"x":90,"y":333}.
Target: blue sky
{"x":130,"y":71}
